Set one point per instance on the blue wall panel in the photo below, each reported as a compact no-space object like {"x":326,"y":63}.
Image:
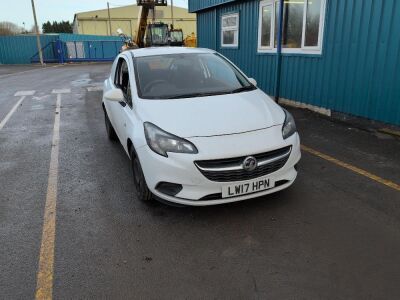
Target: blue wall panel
{"x":207,"y":35}
{"x":69,"y":37}
{"x":20,"y":49}
{"x":358,"y":72}
{"x":203,"y":4}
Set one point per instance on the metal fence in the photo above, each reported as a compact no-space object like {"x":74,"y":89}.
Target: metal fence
{"x":58,"y":48}
{"x":78,"y":51}
{"x":19,"y":49}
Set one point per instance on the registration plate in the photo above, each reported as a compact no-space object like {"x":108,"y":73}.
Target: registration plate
{"x":248,"y":187}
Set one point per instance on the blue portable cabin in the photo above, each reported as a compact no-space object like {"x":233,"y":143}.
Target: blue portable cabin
{"x":337,"y":55}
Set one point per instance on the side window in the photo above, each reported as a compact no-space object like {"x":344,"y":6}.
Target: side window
{"x":303,"y":26}
{"x":117,"y":71}
{"x":230,"y":30}
{"x":122,"y":80}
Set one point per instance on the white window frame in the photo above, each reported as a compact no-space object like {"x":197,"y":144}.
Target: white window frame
{"x":304,"y":49}
{"x":230,"y":28}
{"x":271,"y":41}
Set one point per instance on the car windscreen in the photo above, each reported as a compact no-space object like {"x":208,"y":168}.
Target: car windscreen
{"x":175,"y":76}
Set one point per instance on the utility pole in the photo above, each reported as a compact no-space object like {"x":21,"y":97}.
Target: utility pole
{"x":37,"y":34}
{"x":172,"y":13}
{"x":279,"y":52}
{"x":109,"y":17}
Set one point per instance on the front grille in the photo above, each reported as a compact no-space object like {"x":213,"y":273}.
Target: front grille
{"x":230,"y":169}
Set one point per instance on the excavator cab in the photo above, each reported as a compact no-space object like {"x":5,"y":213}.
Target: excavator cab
{"x":176,"y":37}
{"x":157,"y":35}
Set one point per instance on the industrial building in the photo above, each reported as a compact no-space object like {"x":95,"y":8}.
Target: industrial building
{"x":337,"y":56}
{"x":97,"y":22}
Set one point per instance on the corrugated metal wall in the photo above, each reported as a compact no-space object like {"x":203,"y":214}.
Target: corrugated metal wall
{"x":207,"y":37}
{"x":358,"y":72}
{"x":68,"y":37}
{"x":202,"y":4}
{"x":20,"y":49}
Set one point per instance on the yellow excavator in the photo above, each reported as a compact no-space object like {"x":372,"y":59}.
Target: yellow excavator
{"x":155,"y":34}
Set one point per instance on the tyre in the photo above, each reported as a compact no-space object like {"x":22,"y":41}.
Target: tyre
{"x":109,"y":128}
{"x":142,"y":191}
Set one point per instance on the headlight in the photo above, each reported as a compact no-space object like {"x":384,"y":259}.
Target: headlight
{"x":162,"y":142}
{"x":289,"y":126}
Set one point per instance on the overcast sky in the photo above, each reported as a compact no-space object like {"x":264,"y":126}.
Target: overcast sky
{"x":19,"y":11}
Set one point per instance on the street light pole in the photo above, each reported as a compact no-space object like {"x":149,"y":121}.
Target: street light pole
{"x":172,"y":13}
{"x":37,"y":34}
{"x":109,"y":17}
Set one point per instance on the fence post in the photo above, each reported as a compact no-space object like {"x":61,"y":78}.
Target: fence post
{"x":76,"y":50}
{"x":90,"y":49}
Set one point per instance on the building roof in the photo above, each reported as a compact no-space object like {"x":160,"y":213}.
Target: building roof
{"x":196,"y":5}
{"x":132,"y":12}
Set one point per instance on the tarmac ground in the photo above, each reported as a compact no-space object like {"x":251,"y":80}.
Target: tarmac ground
{"x":335,"y":234}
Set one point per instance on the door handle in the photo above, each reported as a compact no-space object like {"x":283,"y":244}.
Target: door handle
{"x":123,"y":104}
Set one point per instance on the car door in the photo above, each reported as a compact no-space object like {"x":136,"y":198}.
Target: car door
{"x":118,"y":109}
{"x":127,"y":112}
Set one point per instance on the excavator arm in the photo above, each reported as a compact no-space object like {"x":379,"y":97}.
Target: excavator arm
{"x":146,"y":6}
{"x":142,"y":25}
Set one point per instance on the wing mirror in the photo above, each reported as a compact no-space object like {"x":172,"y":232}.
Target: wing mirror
{"x":114,"y":95}
{"x":253,"y":81}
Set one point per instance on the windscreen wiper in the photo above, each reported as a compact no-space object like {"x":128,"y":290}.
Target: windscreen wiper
{"x":243,"y":89}
{"x":193,"y":95}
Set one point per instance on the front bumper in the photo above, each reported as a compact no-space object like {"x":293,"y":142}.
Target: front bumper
{"x":180,"y":168}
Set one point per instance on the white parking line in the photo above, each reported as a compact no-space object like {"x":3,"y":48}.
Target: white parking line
{"x":61,"y":91}
{"x":95,"y":88}
{"x":40,"y":98}
{"x":24,"y":93}
{"x":21,"y":94}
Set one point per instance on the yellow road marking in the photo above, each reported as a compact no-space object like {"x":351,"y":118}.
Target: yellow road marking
{"x":390,"y":131}
{"x":352,"y":168}
{"x":44,"y":284}
{"x":12,"y":111}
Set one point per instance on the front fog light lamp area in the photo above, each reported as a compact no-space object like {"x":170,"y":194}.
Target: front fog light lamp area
{"x":162,"y":142}
{"x":289,"y":126}
{"x":168,"y":188}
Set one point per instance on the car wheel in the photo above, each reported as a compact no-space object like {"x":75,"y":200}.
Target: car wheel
{"x":139,"y":181}
{"x":109,"y":128}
